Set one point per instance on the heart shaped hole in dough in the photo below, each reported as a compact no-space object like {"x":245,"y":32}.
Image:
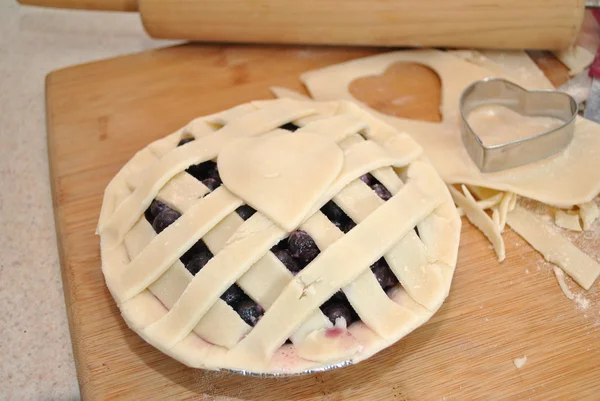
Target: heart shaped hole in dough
{"x":406,"y":90}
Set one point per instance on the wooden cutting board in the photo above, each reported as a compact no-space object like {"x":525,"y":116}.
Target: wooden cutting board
{"x":100,"y":114}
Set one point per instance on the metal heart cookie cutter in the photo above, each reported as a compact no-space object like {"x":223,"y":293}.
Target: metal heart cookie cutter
{"x":538,"y":103}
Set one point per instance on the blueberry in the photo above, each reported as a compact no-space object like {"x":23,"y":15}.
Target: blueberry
{"x":382,"y":192}
{"x":368,"y":179}
{"x":288,"y":261}
{"x":249,"y":311}
{"x":185,"y":140}
{"x":202,"y":171}
{"x":165,"y":219}
{"x":148,"y":215}
{"x":334,"y":213}
{"x":283,"y":244}
{"x":233,"y":295}
{"x":214,"y":173}
{"x":384,"y":274}
{"x":348,"y":226}
{"x":156,"y":207}
{"x":335,"y":310}
{"x":245,"y":212}
{"x":198,"y":247}
{"x":211,"y":183}
{"x":302,"y":246}
{"x":290,"y":127}
{"x":339,"y":296}
{"x":197,"y":262}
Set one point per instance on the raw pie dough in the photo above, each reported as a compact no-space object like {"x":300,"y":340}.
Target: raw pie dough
{"x":287,"y":177}
{"x":564,"y":181}
{"x":549,"y":181}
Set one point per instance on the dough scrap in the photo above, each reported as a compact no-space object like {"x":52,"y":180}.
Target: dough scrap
{"x":560,"y":277}
{"x":554,"y":247}
{"x":576,"y":58}
{"x":589,"y":212}
{"x":481,"y":220}
{"x":520,"y":362}
{"x":569,"y":221}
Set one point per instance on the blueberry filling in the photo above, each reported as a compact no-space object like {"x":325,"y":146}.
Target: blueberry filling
{"x":233,"y":295}
{"x":288,"y":260}
{"x":382,"y":192}
{"x":164,"y":219}
{"x":289,"y":127}
{"x":245,"y":212}
{"x":337,"y":216}
{"x":338,"y":309}
{"x":249,"y":311}
{"x":198,"y":247}
{"x":185,"y":140}
{"x":302,"y":246}
{"x":156,"y":207}
{"x":384,"y":275}
{"x":294,"y":252}
{"x":211,"y":183}
{"x":198,"y":261}
{"x":202,"y":171}
{"x":376,"y":186}
{"x":368,"y":179}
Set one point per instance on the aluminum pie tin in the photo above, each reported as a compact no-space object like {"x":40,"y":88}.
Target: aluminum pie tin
{"x":319,"y":369}
{"x":536,"y":103}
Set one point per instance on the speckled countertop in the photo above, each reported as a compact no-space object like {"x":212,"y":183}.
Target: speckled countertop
{"x":36,"y":361}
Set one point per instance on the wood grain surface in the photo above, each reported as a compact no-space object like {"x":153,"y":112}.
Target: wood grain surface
{"x":498,"y":24}
{"x":100,"y":5}
{"x":100,"y":114}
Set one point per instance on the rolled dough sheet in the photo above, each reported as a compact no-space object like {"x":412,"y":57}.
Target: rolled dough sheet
{"x":549,"y":181}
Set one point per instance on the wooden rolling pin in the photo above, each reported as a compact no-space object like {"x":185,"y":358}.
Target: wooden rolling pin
{"x":507,"y":24}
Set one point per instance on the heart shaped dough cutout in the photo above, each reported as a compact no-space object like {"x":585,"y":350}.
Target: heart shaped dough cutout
{"x":405,"y":89}
{"x":281,"y":175}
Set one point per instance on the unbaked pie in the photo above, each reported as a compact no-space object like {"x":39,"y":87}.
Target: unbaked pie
{"x":278,"y":236}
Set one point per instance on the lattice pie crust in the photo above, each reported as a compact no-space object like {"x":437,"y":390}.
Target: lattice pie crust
{"x":288,"y":177}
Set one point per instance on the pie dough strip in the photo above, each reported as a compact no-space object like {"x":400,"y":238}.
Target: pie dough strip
{"x":118,"y":187}
{"x":360,"y":159}
{"x":481,"y":220}
{"x":253,"y":239}
{"x":322,"y":110}
{"x":554,"y":247}
{"x":336,"y":128}
{"x":266,"y":279}
{"x":221,"y":324}
{"x":173,"y":242}
{"x":399,"y":144}
{"x":179,"y":159}
{"x":407,"y":259}
{"x":560,"y":277}
{"x":369,"y":301}
{"x":490,"y":202}
{"x":358,"y":201}
{"x":182,"y":192}
{"x":444,"y":222}
{"x":503,"y":209}
{"x":345,"y":260}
